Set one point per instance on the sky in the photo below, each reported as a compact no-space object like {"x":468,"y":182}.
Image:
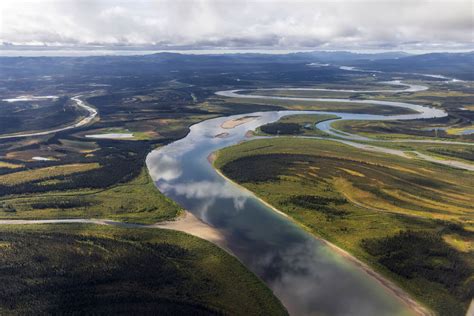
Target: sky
{"x":241,"y":24}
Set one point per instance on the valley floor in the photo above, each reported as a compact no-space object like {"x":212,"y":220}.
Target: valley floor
{"x":410,"y":220}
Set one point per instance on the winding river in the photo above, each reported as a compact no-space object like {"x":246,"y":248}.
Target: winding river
{"x":309,"y":276}
{"x":91,"y":114}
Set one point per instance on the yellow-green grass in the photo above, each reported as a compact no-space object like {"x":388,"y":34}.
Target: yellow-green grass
{"x":442,"y":150}
{"x":376,"y":196}
{"x":9,"y":165}
{"x":358,"y":91}
{"x":460,"y":243}
{"x":112,"y":270}
{"x":322,"y":106}
{"x":391,"y":183}
{"x":367,"y":129}
{"x":436,"y":95}
{"x":459,"y":130}
{"x":175,"y":127}
{"x":137,"y":201}
{"x":45,"y":173}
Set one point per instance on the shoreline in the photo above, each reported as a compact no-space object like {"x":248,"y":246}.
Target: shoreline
{"x":232,"y":123}
{"x":399,"y":293}
{"x":188,"y":223}
{"x":84,"y":120}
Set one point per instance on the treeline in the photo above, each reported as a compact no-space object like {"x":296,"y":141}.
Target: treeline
{"x":465,"y":153}
{"x":326,"y":205}
{"x":249,"y":169}
{"x":61,"y":203}
{"x":25,"y":116}
{"x":119,"y":163}
{"x":281,"y":128}
{"x":424,"y":255}
{"x":103,"y":282}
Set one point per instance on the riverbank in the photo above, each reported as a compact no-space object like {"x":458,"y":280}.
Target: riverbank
{"x":404,"y":297}
{"x":261,"y":238}
{"x":134,"y":271}
{"x":297,"y":176}
{"x":92,"y":114}
{"x":238,"y":121}
{"x":188,"y":223}
{"x":212,"y":158}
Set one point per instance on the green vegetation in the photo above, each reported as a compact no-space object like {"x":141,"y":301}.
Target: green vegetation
{"x":9,"y":165}
{"x":37,"y":115}
{"x":462,"y":152}
{"x":296,"y":125}
{"x":45,"y":173}
{"x":77,"y":269}
{"x":136,"y":201}
{"x":416,"y":129}
{"x":366,"y":108}
{"x":425,"y":256}
{"x":354,"y":199}
{"x":376,"y":206}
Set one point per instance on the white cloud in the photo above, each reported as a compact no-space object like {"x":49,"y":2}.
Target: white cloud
{"x":284,"y":24}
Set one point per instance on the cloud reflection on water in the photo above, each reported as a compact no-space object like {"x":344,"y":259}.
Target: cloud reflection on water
{"x":163,"y":167}
{"x":316,"y":283}
{"x":304,"y":273}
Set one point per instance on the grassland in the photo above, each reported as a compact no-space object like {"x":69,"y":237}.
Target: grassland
{"x":158,"y":98}
{"x":311,"y":106}
{"x":136,"y":201}
{"x":411,"y":220}
{"x":391,"y":130}
{"x":81,"y":269}
{"x":43,"y":174}
{"x":461,"y":152}
{"x":9,"y":165}
{"x":37,"y":115}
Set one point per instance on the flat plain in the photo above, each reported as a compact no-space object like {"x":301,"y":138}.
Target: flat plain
{"x":409,"y":219}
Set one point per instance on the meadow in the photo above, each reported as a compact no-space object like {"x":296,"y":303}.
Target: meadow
{"x":411,"y":220}
{"x":362,"y":202}
{"x":417,"y":129}
{"x":136,"y":201}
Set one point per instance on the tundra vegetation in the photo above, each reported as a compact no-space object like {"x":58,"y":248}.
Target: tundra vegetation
{"x":296,"y":125}
{"x":157,"y":98}
{"x":70,"y":269}
{"x":411,"y":220}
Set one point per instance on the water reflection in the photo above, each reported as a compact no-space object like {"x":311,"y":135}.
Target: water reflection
{"x":309,"y":277}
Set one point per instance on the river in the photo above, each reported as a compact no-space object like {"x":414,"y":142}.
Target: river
{"x":91,"y":114}
{"x":307,"y":275}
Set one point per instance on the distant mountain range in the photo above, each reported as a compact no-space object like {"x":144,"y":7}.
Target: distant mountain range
{"x":456,"y":65}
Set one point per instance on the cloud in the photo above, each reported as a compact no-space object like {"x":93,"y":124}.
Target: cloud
{"x":283,"y":24}
{"x":208,"y":191}
{"x":163,"y":167}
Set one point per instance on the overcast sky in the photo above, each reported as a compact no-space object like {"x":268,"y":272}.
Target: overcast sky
{"x":263,"y":24}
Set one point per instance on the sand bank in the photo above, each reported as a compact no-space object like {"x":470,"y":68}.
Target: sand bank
{"x":238,"y":121}
{"x":190,"y":224}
